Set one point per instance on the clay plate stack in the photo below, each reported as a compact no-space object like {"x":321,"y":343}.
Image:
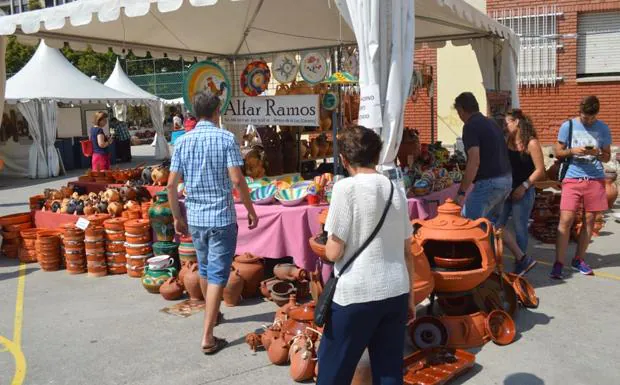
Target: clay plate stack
{"x":95,"y":251}
{"x":11,"y":227}
{"x":115,"y":251}
{"x":28,"y":251}
{"x":75,"y":252}
{"x":48,"y":249}
{"x":137,"y":245}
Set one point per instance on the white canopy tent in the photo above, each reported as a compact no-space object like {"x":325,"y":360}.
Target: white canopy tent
{"x":181,"y":28}
{"x":46,"y":79}
{"x":119,"y":81}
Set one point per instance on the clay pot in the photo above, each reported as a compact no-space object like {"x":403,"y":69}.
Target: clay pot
{"x":94,"y":232}
{"x":15,"y":219}
{"x":278,"y":351}
{"x":524,"y":290}
{"x":139,"y":239}
{"x":98,"y":219}
{"x":138,"y":250}
{"x":112,"y":195}
{"x":233,"y":289}
{"x":161,"y":218}
{"x":302,"y":360}
{"x":115,"y":247}
{"x":317,"y":248}
{"x":191,"y":282}
{"x":289,"y":272}
{"x":265,"y":286}
{"x":18,"y":227}
{"x":251,"y":269}
{"x":153,"y":279}
{"x":137,"y":227}
{"x":423,"y":282}
{"x":171,"y":289}
{"x":612,"y":192}
{"x":281,"y":291}
{"x":268,"y":336}
{"x":282,"y":312}
{"x":115,"y":209}
{"x":500,"y":327}
{"x":160,"y":176}
{"x":467,"y":331}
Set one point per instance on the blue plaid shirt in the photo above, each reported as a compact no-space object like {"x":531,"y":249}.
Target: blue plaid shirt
{"x":203,"y":157}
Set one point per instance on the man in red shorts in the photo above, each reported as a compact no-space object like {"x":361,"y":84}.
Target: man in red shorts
{"x":586,"y":143}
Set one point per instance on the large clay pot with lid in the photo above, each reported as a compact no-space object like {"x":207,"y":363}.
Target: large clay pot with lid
{"x":233,"y":289}
{"x":191,"y":281}
{"x":161,"y":218}
{"x":423,"y":282}
{"x":454,"y":237}
{"x":251,"y":269}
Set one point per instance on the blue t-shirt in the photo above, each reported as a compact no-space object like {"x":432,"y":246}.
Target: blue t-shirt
{"x":94,"y":132}
{"x":597,"y":136}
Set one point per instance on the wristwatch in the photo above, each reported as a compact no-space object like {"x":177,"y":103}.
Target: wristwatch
{"x":526,"y":184}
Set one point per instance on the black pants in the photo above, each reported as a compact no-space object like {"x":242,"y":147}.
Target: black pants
{"x":378,"y":326}
{"x":123,"y":150}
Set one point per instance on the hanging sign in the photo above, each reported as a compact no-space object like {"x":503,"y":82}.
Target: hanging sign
{"x":286,"y":110}
{"x":370,"y":107}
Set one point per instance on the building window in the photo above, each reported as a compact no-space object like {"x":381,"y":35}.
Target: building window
{"x":537,"y":30}
{"x":598,"y":44}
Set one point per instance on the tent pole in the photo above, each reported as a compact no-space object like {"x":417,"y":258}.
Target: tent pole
{"x":249,"y":26}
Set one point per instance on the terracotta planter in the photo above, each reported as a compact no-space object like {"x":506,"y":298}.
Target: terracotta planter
{"x":50,"y":266}
{"x":233,"y":289}
{"x":467,"y":331}
{"x":94,"y":232}
{"x":191,"y":282}
{"x":15,"y":219}
{"x":29,"y":233}
{"x":289,"y":272}
{"x":172,"y":289}
{"x":251,"y":269}
{"x":94,"y":246}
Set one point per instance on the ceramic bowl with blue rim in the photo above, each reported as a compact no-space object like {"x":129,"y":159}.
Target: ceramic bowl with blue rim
{"x":263,"y":195}
{"x":303,"y":184}
{"x":256,"y":185}
{"x":291,"y":196}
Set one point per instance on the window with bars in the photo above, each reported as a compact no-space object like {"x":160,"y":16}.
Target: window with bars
{"x":537,"y":29}
{"x":598,"y":45}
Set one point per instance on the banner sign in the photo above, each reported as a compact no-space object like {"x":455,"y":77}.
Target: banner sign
{"x":287,"y":110}
{"x":370,"y":107}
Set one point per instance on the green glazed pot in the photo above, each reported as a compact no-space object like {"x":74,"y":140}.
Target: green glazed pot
{"x":161,"y":218}
{"x":153,"y":279}
{"x":166,"y":248}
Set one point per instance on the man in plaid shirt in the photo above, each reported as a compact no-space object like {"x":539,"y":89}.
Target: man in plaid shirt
{"x":209,"y":161}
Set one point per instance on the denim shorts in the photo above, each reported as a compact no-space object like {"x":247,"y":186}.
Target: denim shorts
{"x":215,"y":248}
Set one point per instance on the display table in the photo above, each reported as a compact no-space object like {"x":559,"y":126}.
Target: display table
{"x":50,"y":220}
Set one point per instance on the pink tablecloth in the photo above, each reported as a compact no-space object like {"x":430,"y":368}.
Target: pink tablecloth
{"x":285,"y":231}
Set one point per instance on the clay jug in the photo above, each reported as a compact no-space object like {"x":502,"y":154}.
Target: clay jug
{"x":278,"y":351}
{"x":233,"y":289}
{"x":282,"y":312}
{"x":251,"y":269}
{"x":268,"y":336}
{"x":191,"y":281}
{"x":302,"y":360}
{"x":171,"y":289}
{"x":289,"y":272}
{"x":161,"y":218}
{"x":611,"y":190}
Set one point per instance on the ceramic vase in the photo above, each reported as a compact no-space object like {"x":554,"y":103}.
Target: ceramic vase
{"x":289,"y":272}
{"x":152,"y":280}
{"x":161,"y":218}
{"x":233,"y":289}
{"x":251,"y":269}
{"x":191,"y":281}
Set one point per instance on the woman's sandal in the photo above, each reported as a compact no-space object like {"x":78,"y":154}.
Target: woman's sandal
{"x":218,"y":344}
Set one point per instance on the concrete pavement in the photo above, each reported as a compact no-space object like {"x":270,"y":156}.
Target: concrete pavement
{"x":81,"y":330}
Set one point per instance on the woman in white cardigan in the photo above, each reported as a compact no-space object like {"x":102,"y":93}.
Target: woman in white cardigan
{"x":371,"y":300}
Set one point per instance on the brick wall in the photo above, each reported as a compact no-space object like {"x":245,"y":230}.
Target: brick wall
{"x":418,"y":113}
{"x":550,"y":106}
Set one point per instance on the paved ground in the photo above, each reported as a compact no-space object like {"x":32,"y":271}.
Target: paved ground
{"x":81,"y":330}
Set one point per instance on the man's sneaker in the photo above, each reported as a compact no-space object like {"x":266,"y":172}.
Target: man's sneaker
{"x":581,"y":266}
{"x":556,"y":271}
{"x":524,"y":265}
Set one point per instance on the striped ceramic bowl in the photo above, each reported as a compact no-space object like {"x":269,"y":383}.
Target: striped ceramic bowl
{"x":263,"y":195}
{"x":291,"y":196}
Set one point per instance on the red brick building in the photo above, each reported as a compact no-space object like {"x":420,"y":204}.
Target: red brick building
{"x":568,"y":51}
{"x":418,"y":112}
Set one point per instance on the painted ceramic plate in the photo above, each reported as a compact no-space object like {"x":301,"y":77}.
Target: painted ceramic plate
{"x":255,"y":78}
{"x":285,"y":68}
{"x":263,"y":195}
{"x":313,"y":67}
{"x":351,"y":63}
{"x":210,"y":77}
{"x":330,"y":100}
{"x":291,"y":196}
{"x":256,"y":185}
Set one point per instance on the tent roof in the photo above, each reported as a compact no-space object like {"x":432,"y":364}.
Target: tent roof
{"x":49,"y":75}
{"x":207,"y":28}
{"x":119,"y":81}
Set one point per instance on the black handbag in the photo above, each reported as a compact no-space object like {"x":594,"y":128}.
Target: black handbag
{"x":324,"y":303}
{"x":566,"y":162}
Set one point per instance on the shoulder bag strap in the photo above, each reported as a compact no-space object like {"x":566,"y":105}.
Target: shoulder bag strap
{"x":374,"y":233}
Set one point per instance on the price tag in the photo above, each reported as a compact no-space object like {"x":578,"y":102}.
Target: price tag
{"x":370,"y":107}
{"x":82,"y":223}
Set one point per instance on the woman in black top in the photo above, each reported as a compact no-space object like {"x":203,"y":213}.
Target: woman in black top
{"x":526,"y":160}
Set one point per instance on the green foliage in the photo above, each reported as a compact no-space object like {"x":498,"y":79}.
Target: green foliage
{"x":17,"y":55}
{"x":34,"y":4}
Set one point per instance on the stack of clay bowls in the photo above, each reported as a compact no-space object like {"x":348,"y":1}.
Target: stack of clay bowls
{"x":144,"y":207}
{"x":187,"y":252}
{"x":28,"y":251}
{"x":48,"y":249}
{"x":74,"y":249}
{"x":137,"y":245}
{"x":115,"y":245}
{"x":11,"y":227}
{"x":94,"y":241}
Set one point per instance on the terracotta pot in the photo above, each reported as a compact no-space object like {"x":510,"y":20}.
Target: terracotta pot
{"x":612,"y":192}
{"x":302,"y":360}
{"x":161,"y":218}
{"x":9,"y":235}
{"x":191,"y":282}
{"x":251,"y":269}
{"x":29,"y":233}
{"x":171,"y":289}
{"x":317,"y":248}
{"x":115,"y":237}
{"x":115,"y":247}
{"x":160,"y":176}
{"x":268,"y":336}
{"x":137,"y":226}
{"x":153,"y":279}
{"x":524,"y":290}
{"x":423,"y":282}
{"x":18,"y":227}
{"x":282,"y":312}
{"x":15,"y":219}
{"x":500,"y":327}
{"x":278,"y":351}
{"x":289,"y":272}
{"x":94,"y":232}
{"x":233,"y":289}
{"x":265,"y":286}
{"x":97,"y":219}
{"x":115,"y":224}
{"x":467,"y":331}
{"x":281,"y":291}
{"x":139,"y":250}
{"x":139,"y":239}
{"x":50,"y":266}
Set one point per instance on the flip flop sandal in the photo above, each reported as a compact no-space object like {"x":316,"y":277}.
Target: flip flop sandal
{"x":218,"y":345}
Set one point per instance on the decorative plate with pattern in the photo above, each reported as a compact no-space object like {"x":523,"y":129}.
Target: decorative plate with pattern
{"x":350,"y":63}
{"x":313,"y":67}
{"x":329,"y":101}
{"x":207,"y":76}
{"x":255,"y":78}
{"x":285,"y":68}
